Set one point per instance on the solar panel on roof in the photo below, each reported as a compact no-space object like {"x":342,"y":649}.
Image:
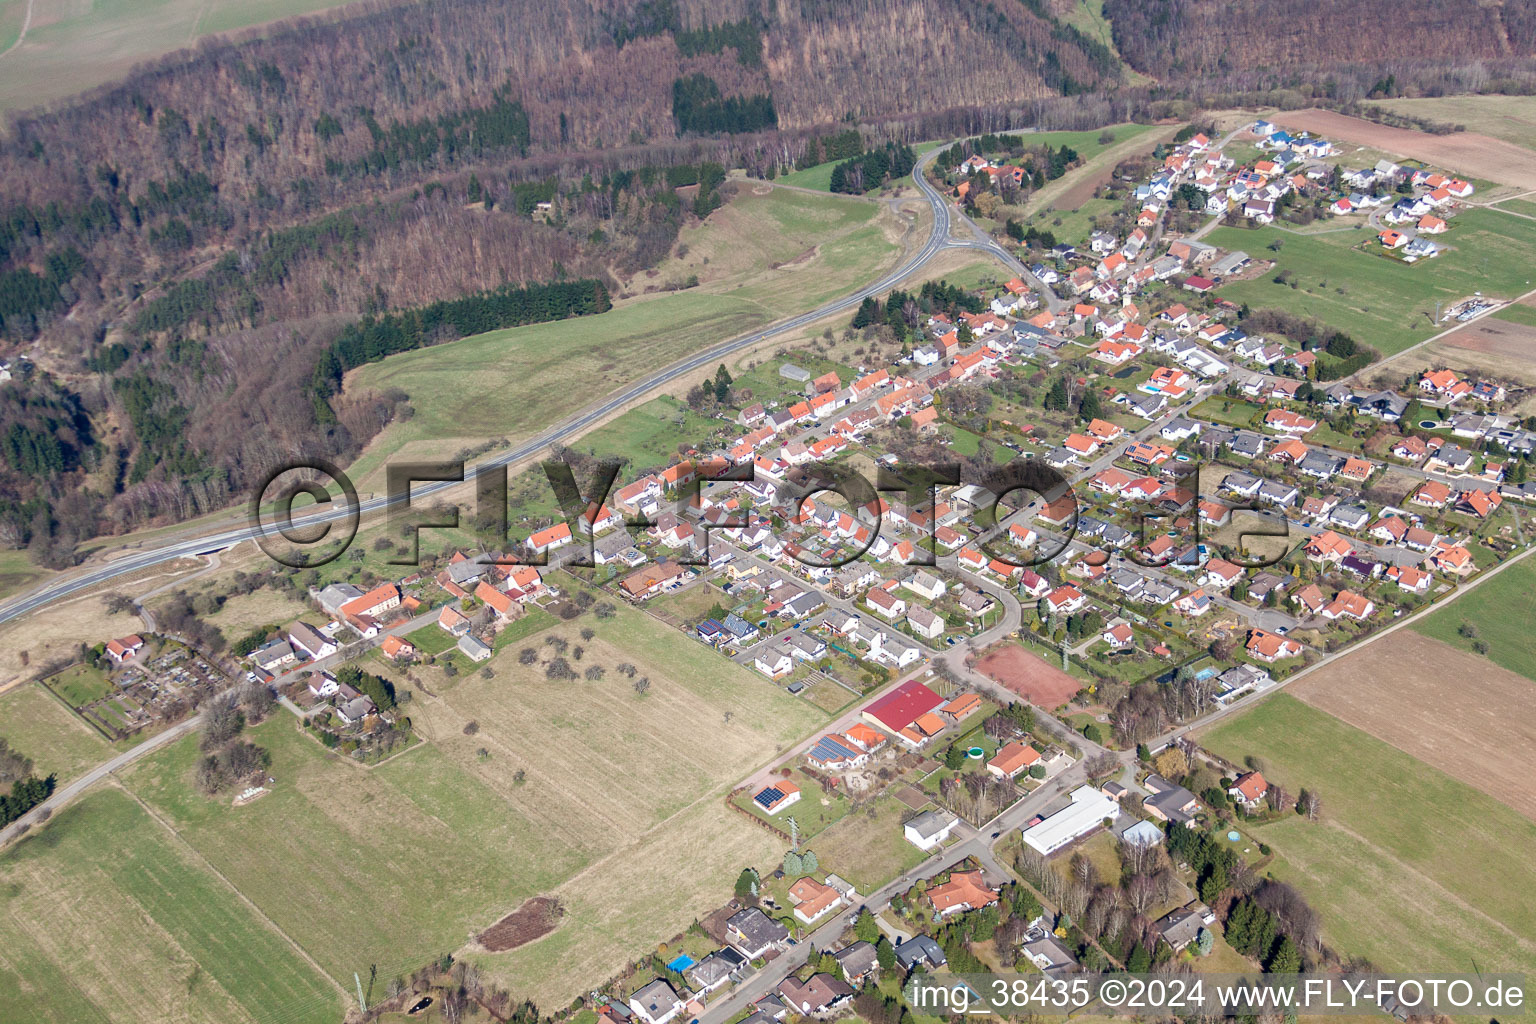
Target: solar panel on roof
{"x":769,"y":797}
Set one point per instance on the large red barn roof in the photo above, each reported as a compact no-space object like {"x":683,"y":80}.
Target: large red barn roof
{"x":904,"y":705}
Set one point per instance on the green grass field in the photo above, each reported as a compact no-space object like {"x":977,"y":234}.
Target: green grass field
{"x":1511,"y":118}
{"x":107,"y":916}
{"x":1502,"y":615}
{"x":587,"y":789}
{"x":1384,"y":303}
{"x":1407,"y":866}
{"x":1518,"y":314}
{"x":406,"y":858}
{"x":1522,"y":206}
{"x":868,"y":850}
{"x":17,"y":571}
{"x":34,"y":722}
{"x":650,"y":434}
{"x":760,"y":258}
{"x":79,"y":685}
{"x":813,"y":812}
{"x":76,"y":46}
{"x":818,"y":177}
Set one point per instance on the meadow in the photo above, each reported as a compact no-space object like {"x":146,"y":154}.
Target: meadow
{"x":758,"y":259}
{"x":649,"y":435}
{"x":1407,"y":866}
{"x":586,"y":789}
{"x":1511,"y":118}
{"x":1384,"y":303}
{"x":71,"y":47}
{"x":34,"y":722}
{"x":107,"y":916}
{"x":868,"y":848}
{"x":1500,"y":614}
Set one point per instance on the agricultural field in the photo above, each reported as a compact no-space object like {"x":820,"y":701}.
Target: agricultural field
{"x":1464,"y":153}
{"x":1511,"y":118}
{"x":71,"y":47}
{"x":106,"y":915}
{"x":1411,"y":692}
{"x":1499,"y":613}
{"x":1379,"y":301}
{"x":1407,"y":866}
{"x":438,"y":842}
{"x":34,"y":722}
{"x":769,"y":256}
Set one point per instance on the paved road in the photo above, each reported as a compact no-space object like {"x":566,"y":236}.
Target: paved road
{"x":68,"y":792}
{"x":938,"y":240}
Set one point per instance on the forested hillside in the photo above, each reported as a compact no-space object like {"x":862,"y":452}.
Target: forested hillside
{"x":1190,"y":38}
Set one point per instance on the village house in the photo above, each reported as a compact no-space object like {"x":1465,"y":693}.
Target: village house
{"x":964,"y":891}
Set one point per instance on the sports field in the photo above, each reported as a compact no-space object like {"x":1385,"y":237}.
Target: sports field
{"x":1407,"y":866}
{"x":71,"y":47}
{"x":587,"y":789}
{"x":107,"y":916}
{"x":1382,"y":302}
{"x":1499,"y":613}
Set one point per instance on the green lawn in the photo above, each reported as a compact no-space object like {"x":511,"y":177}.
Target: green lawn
{"x":536,"y":621}
{"x":1524,"y":206}
{"x":1074,"y":226}
{"x":1518,"y":314}
{"x":650,"y":434}
{"x":868,"y":850}
{"x":1233,"y":412}
{"x":106,"y":915}
{"x":80,"y":685}
{"x":34,"y":722}
{"x":1501,"y":614}
{"x":1087,"y":143}
{"x":1385,"y":303}
{"x":813,"y":812}
{"x":1407,"y":866}
{"x":432,"y":639}
{"x":818,"y":177}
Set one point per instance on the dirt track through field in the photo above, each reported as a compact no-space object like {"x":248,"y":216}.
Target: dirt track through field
{"x":1452,"y":710}
{"x":1480,"y":156}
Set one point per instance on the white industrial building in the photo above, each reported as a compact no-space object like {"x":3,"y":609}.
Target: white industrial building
{"x":1089,"y":809}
